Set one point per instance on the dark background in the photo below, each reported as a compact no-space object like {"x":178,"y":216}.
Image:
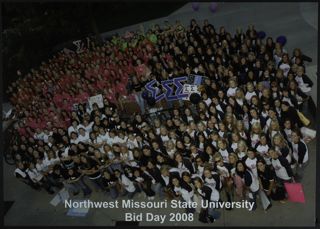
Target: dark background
{"x":33,"y":31}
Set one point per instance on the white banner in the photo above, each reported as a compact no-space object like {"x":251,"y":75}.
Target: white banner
{"x":98,"y":99}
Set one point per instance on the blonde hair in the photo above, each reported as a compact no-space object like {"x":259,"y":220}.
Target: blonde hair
{"x":281,"y":138}
{"x":276,"y":123}
{"x":242,"y":143}
{"x":256,"y":125}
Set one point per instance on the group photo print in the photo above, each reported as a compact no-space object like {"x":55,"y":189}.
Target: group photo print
{"x":161,"y":114}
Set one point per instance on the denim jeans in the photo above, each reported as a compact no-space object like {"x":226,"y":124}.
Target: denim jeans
{"x":140,"y":101}
{"x":98,"y":183}
{"x":115,"y":166}
{"x":158,"y":189}
{"x":113,"y":192}
{"x":79,"y":185}
{"x":254,"y":199}
{"x":131,"y":194}
{"x":300,"y":171}
{"x":214,"y":213}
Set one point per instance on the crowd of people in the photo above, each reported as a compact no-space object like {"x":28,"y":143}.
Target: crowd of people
{"x":243,"y":137}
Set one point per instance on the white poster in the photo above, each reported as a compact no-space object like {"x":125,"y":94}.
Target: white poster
{"x":189,"y":89}
{"x":98,"y":99}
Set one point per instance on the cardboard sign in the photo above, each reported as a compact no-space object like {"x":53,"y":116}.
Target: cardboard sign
{"x":98,"y":99}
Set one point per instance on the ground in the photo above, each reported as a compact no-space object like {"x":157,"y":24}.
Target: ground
{"x":298,"y":22}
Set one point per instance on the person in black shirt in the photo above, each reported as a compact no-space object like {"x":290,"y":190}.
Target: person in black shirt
{"x":90,"y":168}
{"x":268,"y":182}
{"x":137,"y":90}
{"x":110,"y":183}
{"x":290,"y":113}
{"x":144,"y":181}
{"x":74,"y":179}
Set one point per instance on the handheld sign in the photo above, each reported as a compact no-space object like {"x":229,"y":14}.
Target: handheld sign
{"x":98,"y":99}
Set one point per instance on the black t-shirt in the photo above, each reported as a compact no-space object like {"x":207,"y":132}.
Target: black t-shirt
{"x":109,"y":181}
{"x":62,"y":175}
{"x":91,"y":164}
{"x":75,"y":175}
{"x":137,"y":87}
{"x":265,"y":177}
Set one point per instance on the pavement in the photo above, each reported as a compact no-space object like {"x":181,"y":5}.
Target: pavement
{"x":298,"y":22}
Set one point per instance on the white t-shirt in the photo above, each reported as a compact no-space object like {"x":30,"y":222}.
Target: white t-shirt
{"x":132,"y":143}
{"x":240,"y":101}
{"x":215,"y":195}
{"x":252,"y":165}
{"x":249,"y":95}
{"x":295,"y":152}
{"x":304,"y":87}
{"x":186,"y":196}
{"x":281,"y":172}
{"x":286,"y":68}
{"x":262,"y":150}
{"x":254,"y":139}
{"x":165,"y":138}
{"x":255,"y":183}
{"x":231,"y":91}
{"x":225,"y":155}
{"x":288,"y":134}
{"x":128,"y":184}
{"x":208,"y":101}
{"x":166,"y":179}
{"x":34,"y":175}
{"x":241,"y":155}
{"x":72,"y":129}
{"x":88,"y":128}
{"x":102,"y":138}
{"x":234,"y":146}
{"x":84,"y":139}
{"x":121,"y":140}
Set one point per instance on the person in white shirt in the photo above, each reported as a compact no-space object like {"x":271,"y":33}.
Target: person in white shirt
{"x":21,"y":174}
{"x":250,"y":181}
{"x":170,"y":148}
{"x":284,"y":65}
{"x":83,"y":135}
{"x":303,"y":81}
{"x":300,"y":153}
{"x":281,"y":167}
{"x":102,"y":137}
{"x":86,"y":125}
{"x":250,"y":92}
{"x":73,"y":127}
{"x":251,"y":161}
{"x":74,"y":138}
{"x":38,"y":178}
{"x":231,"y":92}
{"x":112,"y":138}
{"x":121,"y":138}
{"x":39,"y":135}
{"x":208,"y":194}
{"x":132,"y":141}
{"x":206,"y":99}
{"x":183,"y":190}
{"x":127,"y":156}
{"x":262,"y":148}
{"x":128,"y":187}
{"x":164,"y":134}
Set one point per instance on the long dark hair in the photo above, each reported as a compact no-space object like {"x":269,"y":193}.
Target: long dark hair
{"x":241,"y":173}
